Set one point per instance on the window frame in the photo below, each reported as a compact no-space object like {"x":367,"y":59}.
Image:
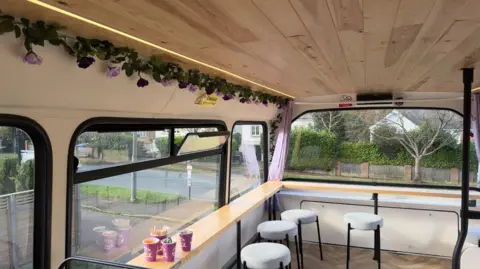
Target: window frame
{"x":42,"y":207}
{"x":381,"y":184}
{"x":112,"y":124}
{"x":265,"y":151}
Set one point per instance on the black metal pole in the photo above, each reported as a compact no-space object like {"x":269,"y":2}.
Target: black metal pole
{"x":375,"y":203}
{"x":467,"y":95}
{"x":239,"y":244}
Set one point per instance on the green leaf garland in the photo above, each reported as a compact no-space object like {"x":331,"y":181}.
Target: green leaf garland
{"x":86,"y":50}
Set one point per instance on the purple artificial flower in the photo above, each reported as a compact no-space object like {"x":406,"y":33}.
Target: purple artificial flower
{"x":227,"y":97}
{"x":166,"y":82}
{"x":192,"y":88}
{"x":182,"y":85}
{"x":113,"y":71}
{"x":32,"y":58}
{"x":257,"y":102}
{"x":248,"y":101}
{"x":85,"y":62}
{"x":243,"y":100}
{"x":265,"y":103}
{"x":219,"y":93}
{"x":209,"y":90}
{"x":142,"y":82}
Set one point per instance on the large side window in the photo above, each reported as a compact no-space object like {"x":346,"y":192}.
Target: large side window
{"x":25,"y":187}
{"x":379,"y":146}
{"x":248,"y":158}
{"x":134,"y":178}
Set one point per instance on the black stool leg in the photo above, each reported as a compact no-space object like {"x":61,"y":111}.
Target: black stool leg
{"x":259,"y":237}
{"x":281,"y":265}
{"x":348,"y":245}
{"x":319,"y":241}
{"x":245,"y":265}
{"x":378,"y":247}
{"x":300,"y":239}
{"x":288,"y":242}
{"x":298,"y":256}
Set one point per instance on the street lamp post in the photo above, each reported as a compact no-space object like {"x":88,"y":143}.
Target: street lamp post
{"x":133,"y":183}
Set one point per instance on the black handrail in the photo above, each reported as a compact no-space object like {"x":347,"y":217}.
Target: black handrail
{"x":96,"y":261}
{"x":464,"y":211}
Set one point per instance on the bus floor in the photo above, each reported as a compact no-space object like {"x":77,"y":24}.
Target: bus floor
{"x":335,"y":256}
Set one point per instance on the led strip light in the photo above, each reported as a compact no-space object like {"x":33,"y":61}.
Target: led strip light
{"x":64,"y":12}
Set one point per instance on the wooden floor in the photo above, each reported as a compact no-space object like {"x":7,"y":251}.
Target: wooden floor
{"x":334,"y":257}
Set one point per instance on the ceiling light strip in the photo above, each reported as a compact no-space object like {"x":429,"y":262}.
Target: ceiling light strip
{"x":64,"y":12}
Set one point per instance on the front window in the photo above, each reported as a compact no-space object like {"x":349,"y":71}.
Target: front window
{"x":394,"y":146}
{"x":163,"y":192}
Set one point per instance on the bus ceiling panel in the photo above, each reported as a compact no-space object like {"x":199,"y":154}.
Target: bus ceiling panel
{"x":298,"y":47}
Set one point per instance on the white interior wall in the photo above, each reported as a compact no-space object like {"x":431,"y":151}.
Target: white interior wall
{"x":412,"y":224}
{"x":60,"y":96}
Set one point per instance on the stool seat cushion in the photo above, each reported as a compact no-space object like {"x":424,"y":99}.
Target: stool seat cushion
{"x":473,"y":236}
{"x":265,"y":255}
{"x":305,"y":216}
{"x":363,"y":221}
{"x":277,"y":229}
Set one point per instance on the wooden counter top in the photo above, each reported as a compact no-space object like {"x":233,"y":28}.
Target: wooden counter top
{"x":211,"y":227}
{"x":312,"y":186}
{"x":214,"y":225}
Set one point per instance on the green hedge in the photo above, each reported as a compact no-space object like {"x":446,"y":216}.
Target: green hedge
{"x":310,"y":149}
{"x":25,"y":178}
{"x":8,"y":172}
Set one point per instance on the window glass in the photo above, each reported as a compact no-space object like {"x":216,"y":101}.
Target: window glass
{"x":130,"y":205}
{"x":17,"y":163}
{"x":103,"y":149}
{"x":246,"y":159}
{"x":396,"y":146}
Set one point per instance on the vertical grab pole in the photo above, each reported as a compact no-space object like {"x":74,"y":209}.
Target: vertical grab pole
{"x":467,"y":102}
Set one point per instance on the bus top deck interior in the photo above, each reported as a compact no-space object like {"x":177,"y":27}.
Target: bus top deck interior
{"x":255,"y":134}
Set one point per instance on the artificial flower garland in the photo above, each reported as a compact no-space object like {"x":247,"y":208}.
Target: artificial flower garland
{"x":124,"y":59}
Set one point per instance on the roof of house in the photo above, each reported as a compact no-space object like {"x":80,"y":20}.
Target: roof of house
{"x":418,"y":116}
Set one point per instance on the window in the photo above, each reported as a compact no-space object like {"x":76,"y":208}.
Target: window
{"x":173,"y":187}
{"x":248,"y":158}
{"x":25,"y":188}
{"x":379,"y":146}
{"x":256,"y":130}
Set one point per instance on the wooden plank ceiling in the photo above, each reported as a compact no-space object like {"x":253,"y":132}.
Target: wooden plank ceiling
{"x":300,"y":47}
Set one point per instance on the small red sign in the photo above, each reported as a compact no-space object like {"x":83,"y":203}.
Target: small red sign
{"x":345,"y":105}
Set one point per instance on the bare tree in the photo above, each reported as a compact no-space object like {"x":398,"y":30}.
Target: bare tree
{"x":431,"y":130}
{"x":328,"y":120}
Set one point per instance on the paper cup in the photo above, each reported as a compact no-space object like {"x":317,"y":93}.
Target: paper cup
{"x":150,"y":247}
{"x":160,"y":238}
{"x":121,"y":223}
{"x":99,"y":235}
{"x":169,"y":251}
{"x":123,"y":235}
{"x":109,"y":240}
{"x":186,"y":237}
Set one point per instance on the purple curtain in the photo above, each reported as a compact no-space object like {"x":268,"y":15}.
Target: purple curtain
{"x":279,"y":159}
{"x":476,"y":128}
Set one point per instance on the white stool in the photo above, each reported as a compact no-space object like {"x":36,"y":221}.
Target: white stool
{"x":299,"y":217}
{"x":265,"y":256}
{"x":279,"y":230}
{"x":473,"y":236}
{"x":364,"y":222}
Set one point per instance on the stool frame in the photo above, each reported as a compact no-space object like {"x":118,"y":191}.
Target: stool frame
{"x":376,"y":237}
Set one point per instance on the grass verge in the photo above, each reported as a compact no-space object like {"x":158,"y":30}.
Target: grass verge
{"x":123,"y":194}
